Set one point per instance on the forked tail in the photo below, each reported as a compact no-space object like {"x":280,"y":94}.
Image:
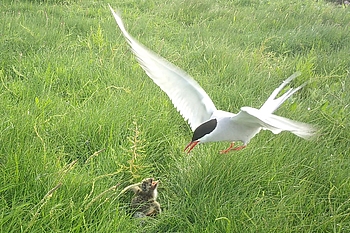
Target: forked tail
{"x":273,"y":104}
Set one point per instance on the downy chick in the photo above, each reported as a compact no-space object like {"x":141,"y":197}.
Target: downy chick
{"x":144,"y":202}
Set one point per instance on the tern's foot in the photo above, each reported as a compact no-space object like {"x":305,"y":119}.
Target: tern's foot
{"x":232,"y":148}
{"x":228,"y":149}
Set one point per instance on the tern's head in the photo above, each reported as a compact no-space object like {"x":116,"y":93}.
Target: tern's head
{"x":149,"y":186}
{"x":201,"y":131}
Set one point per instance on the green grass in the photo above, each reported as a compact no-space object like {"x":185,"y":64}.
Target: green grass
{"x":81,"y":120}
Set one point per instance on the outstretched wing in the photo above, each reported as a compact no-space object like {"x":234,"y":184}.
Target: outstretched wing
{"x":188,"y":97}
{"x":276,"y":124}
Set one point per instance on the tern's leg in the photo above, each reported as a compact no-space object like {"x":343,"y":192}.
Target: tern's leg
{"x":232,"y":148}
{"x":239,"y":147}
{"x":228,"y":149}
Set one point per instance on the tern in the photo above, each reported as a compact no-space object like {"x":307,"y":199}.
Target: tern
{"x":207,"y":122}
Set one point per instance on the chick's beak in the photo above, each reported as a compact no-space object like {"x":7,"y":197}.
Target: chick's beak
{"x":155,"y":184}
{"x":190,"y":146}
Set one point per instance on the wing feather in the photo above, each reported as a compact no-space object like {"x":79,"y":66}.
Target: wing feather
{"x":186,"y":94}
{"x":275,"y":124}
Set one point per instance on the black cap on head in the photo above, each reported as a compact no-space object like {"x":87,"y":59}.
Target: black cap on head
{"x":205,"y":128}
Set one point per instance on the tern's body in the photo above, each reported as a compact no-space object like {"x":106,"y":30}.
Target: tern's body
{"x":233,"y":132}
{"x":208,"y":123}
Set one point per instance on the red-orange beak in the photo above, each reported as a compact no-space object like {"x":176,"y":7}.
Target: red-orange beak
{"x":190,"y":146}
{"x":154,"y":184}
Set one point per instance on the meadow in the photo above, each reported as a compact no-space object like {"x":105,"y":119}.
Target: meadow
{"x":80,"y":120}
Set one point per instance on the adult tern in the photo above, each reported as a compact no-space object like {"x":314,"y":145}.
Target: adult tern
{"x":193,"y":103}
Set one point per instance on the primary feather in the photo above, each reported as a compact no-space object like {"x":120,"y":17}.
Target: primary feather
{"x":276,"y":124}
{"x":186,"y":94}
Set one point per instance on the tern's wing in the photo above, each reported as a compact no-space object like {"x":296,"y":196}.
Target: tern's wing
{"x":276,"y":124}
{"x":188,"y":97}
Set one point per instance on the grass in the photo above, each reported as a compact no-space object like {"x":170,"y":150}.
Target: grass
{"x":81,"y":120}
